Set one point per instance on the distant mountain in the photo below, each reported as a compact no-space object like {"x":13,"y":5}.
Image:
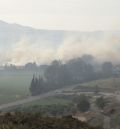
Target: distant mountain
{"x":12,"y":33}
{"x":50,"y":42}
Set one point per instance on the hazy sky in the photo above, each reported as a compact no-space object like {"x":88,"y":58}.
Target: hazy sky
{"x":63,"y":14}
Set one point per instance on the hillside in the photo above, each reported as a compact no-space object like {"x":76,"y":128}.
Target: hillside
{"x":35,"y":121}
{"x":10,"y":34}
{"x":49,"y":44}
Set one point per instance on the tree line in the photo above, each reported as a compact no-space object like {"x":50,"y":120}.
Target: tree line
{"x":58,"y":74}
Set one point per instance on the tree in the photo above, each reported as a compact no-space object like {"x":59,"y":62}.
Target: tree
{"x":32,"y":85}
{"x":96,"y":89}
{"x":80,"y":70}
{"x":83,"y":103}
{"x":40,"y":85}
{"x":100,"y":102}
{"x":37,"y":85}
{"x":107,"y":68}
{"x":57,"y":75}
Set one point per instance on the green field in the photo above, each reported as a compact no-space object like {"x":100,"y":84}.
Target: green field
{"x":104,"y":83}
{"x":49,"y":101}
{"x":14,"y":87}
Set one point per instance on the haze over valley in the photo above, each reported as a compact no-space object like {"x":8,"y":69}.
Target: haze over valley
{"x":60,"y":64}
{"x":18,"y":43}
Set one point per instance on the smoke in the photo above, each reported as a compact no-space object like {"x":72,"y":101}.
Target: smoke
{"x":24,"y":52}
{"x":106,"y":48}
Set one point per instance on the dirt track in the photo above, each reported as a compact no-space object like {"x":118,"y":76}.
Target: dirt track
{"x":45,"y":95}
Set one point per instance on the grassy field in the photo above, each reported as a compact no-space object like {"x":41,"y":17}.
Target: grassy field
{"x":104,"y":83}
{"x":14,"y":87}
{"x":49,"y":101}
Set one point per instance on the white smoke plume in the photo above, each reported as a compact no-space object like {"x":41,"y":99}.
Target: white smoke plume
{"x":105,"y":49}
{"x":24,"y":52}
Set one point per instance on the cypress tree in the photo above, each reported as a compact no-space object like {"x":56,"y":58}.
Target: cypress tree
{"x":36,"y":86}
{"x":32,"y":85}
